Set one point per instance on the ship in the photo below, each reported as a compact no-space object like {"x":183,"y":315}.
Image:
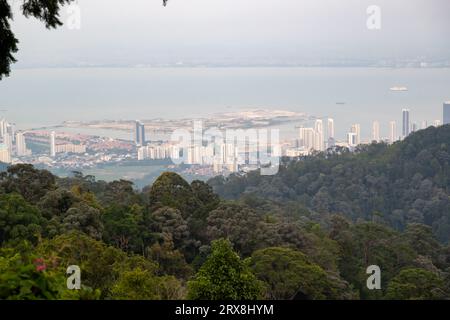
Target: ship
{"x":399,"y":88}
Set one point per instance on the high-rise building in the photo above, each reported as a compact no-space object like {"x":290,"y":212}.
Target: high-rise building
{"x":330,"y":128}
{"x":446,"y":113}
{"x":437,"y":123}
{"x":392,"y":131}
{"x":21,"y":146}
{"x":352,"y":139}
{"x":330,"y":132}
{"x":424,"y":124}
{"x":52,"y":144}
{"x":376,"y":131}
{"x":319,"y":137}
{"x":11,"y":130}
{"x":306,"y":138}
{"x":356,"y":129}
{"x":405,"y":128}
{"x":7,"y":141}
{"x":313,"y":138}
{"x":139,"y":133}
{"x":5,"y":155}
{"x":3,"y":127}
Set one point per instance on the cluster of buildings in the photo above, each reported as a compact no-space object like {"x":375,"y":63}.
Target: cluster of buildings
{"x":320,"y":136}
{"x":231,"y":157}
{"x":243,"y":154}
{"x":12,"y":142}
{"x":64,"y":147}
{"x":316,"y":138}
{"x":224,"y":156}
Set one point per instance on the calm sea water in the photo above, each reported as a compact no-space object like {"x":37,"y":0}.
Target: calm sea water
{"x":37,"y":97}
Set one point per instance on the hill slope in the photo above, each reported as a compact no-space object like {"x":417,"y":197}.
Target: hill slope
{"x":408,"y":182}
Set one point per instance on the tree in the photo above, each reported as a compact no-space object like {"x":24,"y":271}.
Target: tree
{"x":170,"y":221}
{"x":25,"y":276}
{"x":205,"y":194}
{"x":288,"y":274}
{"x":224,"y":276}
{"x":171,"y":190}
{"x":415,"y":284}
{"x":123,"y":227}
{"x":241,"y":225}
{"x":24,"y":179}
{"x":56,"y":202}
{"x":19,"y":220}
{"x":170,"y":260}
{"x":141,"y":284}
{"x":101,"y":265}
{"x":84,"y":218}
{"x":389,"y":184}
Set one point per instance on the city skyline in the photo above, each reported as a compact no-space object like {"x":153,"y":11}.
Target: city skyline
{"x":65,"y":151}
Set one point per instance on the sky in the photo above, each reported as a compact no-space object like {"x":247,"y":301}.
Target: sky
{"x":134,"y":32}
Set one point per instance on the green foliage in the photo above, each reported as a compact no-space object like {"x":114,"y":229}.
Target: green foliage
{"x":224,"y":276}
{"x":84,"y":218}
{"x":7,"y":39}
{"x":309,"y":232}
{"x":24,"y":276}
{"x":166,"y":220}
{"x":20,"y":279}
{"x":289,"y":274}
{"x":171,"y":190}
{"x":241,"y":225}
{"x":397,"y":185}
{"x":101,"y":265}
{"x":29,"y":182}
{"x":170,"y":260}
{"x":141,"y":284}
{"x":123,"y":228}
{"x":193,"y":202}
{"x":415,"y":284}
{"x":18,"y":219}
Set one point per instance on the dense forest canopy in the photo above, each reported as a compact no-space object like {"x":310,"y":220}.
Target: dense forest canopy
{"x":309,"y":232}
{"x":408,"y":182}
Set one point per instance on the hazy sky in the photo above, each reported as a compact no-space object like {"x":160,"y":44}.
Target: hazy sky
{"x":144,"y":32}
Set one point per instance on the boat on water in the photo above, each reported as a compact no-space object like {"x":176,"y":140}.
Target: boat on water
{"x":399,"y":88}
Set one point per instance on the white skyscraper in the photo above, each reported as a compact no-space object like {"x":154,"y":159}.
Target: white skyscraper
{"x":376,"y":131}
{"x":351,"y":139}
{"x":52,"y":144}
{"x":5,"y":155}
{"x":330,"y":128}
{"x":356,"y":129}
{"x":3,"y":127}
{"x":306,"y":138}
{"x":424,"y":124}
{"x":21,"y":147}
{"x":392,"y":131}
{"x":406,"y":123}
{"x":319,"y":137}
{"x":7,"y":140}
{"x":446,"y":113}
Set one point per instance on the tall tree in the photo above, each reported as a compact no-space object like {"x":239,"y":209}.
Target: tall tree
{"x":224,"y":276}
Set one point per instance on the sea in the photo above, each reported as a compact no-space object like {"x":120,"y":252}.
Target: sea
{"x":33,"y":98}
